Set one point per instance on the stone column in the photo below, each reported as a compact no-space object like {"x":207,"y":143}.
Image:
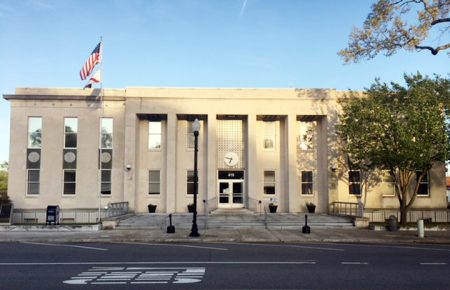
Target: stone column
{"x":171,"y":161}
{"x":291,"y":163}
{"x":211,"y":164}
{"x":131,"y":153}
{"x":252,"y":164}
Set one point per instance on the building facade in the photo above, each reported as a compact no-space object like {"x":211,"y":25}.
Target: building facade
{"x":87,"y":148}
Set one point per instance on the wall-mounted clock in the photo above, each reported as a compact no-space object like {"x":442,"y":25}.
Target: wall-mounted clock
{"x":231,"y":159}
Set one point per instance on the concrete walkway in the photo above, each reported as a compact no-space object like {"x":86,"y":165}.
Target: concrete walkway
{"x":241,"y":234}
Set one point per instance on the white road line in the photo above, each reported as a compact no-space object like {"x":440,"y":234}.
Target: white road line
{"x":433,"y":264}
{"x":164,"y":263}
{"x":354,"y":263}
{"x":397,"y":247}
{"x":177,"y":245}
{"x":289,"y":246}
{"x":65,"y":245}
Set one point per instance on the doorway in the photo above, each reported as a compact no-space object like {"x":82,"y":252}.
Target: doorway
{"x":231,"y":189}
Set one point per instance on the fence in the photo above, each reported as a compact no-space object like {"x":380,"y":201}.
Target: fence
{"x":353,"y":209}
{"x":69,"y":216}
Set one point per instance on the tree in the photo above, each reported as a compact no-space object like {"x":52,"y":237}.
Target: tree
{"x":398,"y":129}
{"x":4,"y":184}
{"x":388,"y":28}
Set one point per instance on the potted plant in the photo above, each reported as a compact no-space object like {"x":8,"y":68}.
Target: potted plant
{"x":273,"y":205}
{"x":311,"y":207}
{"x":190,"y":207}
{"x":151,"y":208}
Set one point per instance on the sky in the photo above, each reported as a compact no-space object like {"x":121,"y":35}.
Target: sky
{"x":191,"y":43}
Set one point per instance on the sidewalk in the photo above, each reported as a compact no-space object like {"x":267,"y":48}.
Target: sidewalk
{"x":228,"y":235}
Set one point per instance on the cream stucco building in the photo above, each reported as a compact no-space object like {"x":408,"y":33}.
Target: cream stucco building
{"x":136,"y":145}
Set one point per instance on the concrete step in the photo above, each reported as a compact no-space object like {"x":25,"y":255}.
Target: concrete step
{"x":224,"y":219}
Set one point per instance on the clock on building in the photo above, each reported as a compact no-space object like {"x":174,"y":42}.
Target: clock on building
{"x":231,"y":159}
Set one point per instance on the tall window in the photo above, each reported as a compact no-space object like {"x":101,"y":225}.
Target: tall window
{"x":269,"y":182}
{"x":354,"y":182}
{"x":154,"y":182}
{"x":306,"y":135}
{"x":70,"y":132}
{"x":154,"y":135}
{"x":69,"y":182}
{"x":190,"y":182}
{"x":190,"y":139}
{"x":33,"y":181}
{"x":307,"y":182}
{"x":424,"y":185}
{"x":105,"y":182}
{"x":269,"y":135}
{"x":34,"y":132}
{"x":106,"y":133}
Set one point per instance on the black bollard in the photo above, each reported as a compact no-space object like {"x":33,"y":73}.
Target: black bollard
{"x":306,"y":229}
{"x":170,"y":228}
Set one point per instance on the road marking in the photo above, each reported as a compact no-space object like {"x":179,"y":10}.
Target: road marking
{"x":64,"y":245}
{"x":433,"y":264}
{"x":289,"y":246}
{"x":309,"y":262}
{"x":152,"y":275}
{"x":354,"y":263}
{"x":183,"y":246}
{"x":398,"y":247}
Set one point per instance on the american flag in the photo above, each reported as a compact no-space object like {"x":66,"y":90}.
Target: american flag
{"x":93,"y":59}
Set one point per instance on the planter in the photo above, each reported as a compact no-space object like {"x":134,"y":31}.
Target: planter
{"x":190,"y":208}
{"x":151,"y":208}
{"x":311,"y":208}
{"x":273,"y":208}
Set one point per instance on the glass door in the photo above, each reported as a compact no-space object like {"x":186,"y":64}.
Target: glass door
{"x":231,"y":193}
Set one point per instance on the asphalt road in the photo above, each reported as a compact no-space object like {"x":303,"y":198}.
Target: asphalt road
{"x":223,"y":266}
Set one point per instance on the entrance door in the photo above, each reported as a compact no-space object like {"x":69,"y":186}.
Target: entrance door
{"x":231,"y":191}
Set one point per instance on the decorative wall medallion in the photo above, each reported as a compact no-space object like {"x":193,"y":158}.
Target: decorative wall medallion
{"x":33,"y":157}
{"x":105,"y":157}
{"x":70,"y":157}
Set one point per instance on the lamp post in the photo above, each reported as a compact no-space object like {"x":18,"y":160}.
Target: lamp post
{"x":194,"y":229}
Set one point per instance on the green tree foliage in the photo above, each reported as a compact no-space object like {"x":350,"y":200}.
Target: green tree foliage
{"x":4,"y":185}
{"x":398,"y":129}
{"x":397,"y":24}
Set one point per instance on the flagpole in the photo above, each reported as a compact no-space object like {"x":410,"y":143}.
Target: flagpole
{"x":102,"y":113}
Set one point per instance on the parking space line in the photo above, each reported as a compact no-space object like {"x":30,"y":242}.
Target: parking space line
{"x":308,"y":262}
{"x":433,"y":264}
{"x":65,"y":245}
{"x":354,"y":263}
{"x":178,"y":245}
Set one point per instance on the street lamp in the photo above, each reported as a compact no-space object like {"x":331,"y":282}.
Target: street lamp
{"x":196,"y":129}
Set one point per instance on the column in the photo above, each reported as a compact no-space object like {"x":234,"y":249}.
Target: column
{"x":252,"y":164}
{"x":131,"y":152}
{"x":291,"y":163}
{"x":171,"y":162}
{"x":211,"y":194}
{"x":322,"y":165}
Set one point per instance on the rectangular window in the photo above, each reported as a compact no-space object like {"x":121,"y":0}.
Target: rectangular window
{"x":269,"y":135}
{"x":269,"y":182}
{"x":33,"y":181}
{"x":190,"y":139}
{"x":190,"y":182}
{"x":70,"y":132}
{"x":154,"y":135}
{"x":34,"y":132}
{"x":354,"y":182}
{"x":305,"y":139}
{"x":106,"y":133}
{"x":154,"y":182}
{"x":69,"y":182}
{"x":307,"y":182}
{"x":105,"y":181}
{"x":424,"y":185}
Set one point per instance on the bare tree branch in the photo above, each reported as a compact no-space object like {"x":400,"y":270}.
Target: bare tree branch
{"x":434,"y":51}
